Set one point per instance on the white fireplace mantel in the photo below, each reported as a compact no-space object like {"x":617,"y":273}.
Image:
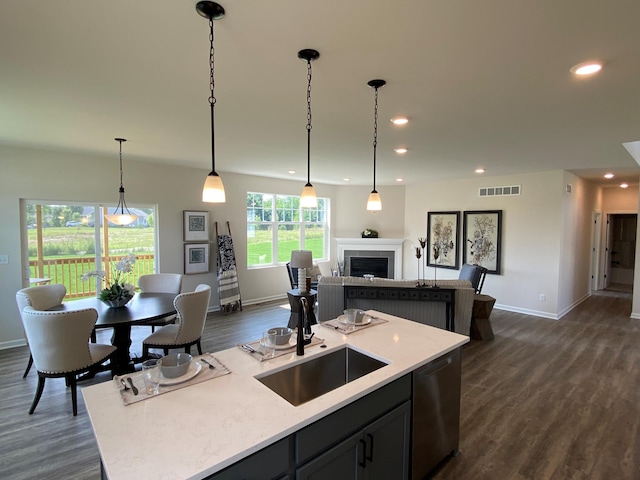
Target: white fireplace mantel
{"x":374,"y":244}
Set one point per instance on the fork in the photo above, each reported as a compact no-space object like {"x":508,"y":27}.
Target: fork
{"x":210,"y":366}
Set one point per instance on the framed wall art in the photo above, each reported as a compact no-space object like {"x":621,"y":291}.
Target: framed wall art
{"x":482,"y":239}
{"x":196,"y":258}
{"x":443,"y":239}
{"x":196,"y":226}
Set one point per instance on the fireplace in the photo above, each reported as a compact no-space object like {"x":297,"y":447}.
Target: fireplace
{"x":376,"y":266}
{"x":383,"y":249}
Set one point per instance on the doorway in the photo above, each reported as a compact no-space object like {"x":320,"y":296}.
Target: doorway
{"x":621,"y":250}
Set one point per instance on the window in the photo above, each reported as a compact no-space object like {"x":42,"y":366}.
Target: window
{"x":65,"y":240}
{"x":276,"y":224}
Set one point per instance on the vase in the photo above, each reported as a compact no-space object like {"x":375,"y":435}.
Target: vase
{"x":120,"y":302}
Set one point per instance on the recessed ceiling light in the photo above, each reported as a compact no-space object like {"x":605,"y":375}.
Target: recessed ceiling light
{"x":292,"y":172}
{"x":608,"y":175}
{"x":400,"y":150}
{"x":479,"y":170}
{"x":400,"y":120}
{"x":346,"y":179}
{"x":399,"y":179}
{"x":586,"y":68}
{"x":624,"y":185}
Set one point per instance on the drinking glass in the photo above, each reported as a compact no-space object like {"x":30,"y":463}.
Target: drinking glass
{"x":151,"y":375}
{"x":268,"y":344}
{"x":350,"y":315}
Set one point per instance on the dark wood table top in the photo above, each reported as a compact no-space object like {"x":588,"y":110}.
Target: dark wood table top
{"x":143,"y":307}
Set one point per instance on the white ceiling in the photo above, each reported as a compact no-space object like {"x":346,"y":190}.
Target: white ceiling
{"x":485,"y":83}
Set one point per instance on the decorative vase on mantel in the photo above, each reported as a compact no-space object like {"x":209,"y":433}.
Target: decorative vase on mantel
{"x":118,"y":302}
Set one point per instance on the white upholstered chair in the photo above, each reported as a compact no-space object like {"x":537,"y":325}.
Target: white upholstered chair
{"x":192,"y":314}
{"x":160,"y":283}
{"x":60,"y":346}
{"x":41,"y":297}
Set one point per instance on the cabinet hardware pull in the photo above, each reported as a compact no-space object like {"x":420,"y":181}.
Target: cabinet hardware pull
{"x":370,"y":456}
{"x":363,"y":446}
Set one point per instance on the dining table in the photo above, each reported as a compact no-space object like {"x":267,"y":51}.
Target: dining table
{"x":144,"y":306}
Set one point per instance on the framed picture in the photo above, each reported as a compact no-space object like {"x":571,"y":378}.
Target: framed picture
{"x":442,"y":239}
{"x":482,"y":239}
{"x":196,"y":226}
{"x":196,"y":258}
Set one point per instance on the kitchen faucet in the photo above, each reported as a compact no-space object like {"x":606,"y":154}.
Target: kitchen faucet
{"x":304,"y":326}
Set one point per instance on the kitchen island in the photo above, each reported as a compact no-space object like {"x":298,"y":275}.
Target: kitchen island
{"x":202,"y":429}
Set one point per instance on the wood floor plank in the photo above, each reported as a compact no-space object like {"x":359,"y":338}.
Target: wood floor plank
{"x":546,"y":399}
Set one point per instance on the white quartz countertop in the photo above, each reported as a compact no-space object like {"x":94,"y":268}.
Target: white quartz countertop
{"x":201,"y":429}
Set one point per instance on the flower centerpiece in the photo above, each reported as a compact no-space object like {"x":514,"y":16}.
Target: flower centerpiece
{"x":369,"y":233}
{"x":118,"y":292}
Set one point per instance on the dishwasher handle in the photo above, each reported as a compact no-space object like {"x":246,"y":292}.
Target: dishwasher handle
{"x":435,"y":368}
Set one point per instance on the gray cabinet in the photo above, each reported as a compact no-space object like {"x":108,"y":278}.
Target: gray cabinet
{"x":271,"y":462}
{"x":379,"y":451}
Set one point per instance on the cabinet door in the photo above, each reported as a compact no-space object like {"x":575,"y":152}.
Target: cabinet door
{"x":270,"y":462}
{"x":387,"y":445}
{"x":337,"y":463}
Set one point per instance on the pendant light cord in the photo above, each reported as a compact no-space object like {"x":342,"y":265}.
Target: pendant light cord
{"x":308,"y":122}
{"x":120,"y":140}
{"x":375,"y":136}
{"x":212,"y":98}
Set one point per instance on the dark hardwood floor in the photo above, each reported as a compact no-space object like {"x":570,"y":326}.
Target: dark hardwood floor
{"x":545,"y":399}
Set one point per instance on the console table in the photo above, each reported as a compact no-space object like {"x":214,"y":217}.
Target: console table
{"x":427,"y":294}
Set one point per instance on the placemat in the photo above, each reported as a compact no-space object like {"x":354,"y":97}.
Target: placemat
{"x":335,"y":324}
{"x":203,"y":375}
{"x":259,"y":355}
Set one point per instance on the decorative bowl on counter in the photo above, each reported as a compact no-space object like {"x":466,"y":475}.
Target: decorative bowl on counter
{"x":283,"y":334}
{"x":175,"y":365}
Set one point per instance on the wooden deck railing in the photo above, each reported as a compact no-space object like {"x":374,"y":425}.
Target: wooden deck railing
{"x":68,"y":271}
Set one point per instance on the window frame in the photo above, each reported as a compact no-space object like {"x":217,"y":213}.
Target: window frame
{"x":302,"y":222}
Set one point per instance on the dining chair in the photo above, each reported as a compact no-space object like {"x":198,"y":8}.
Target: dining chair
{"x":160,"y":283}
{"x":41,"y":297}
{"x":192,"y":313}
{"x":475,"y":274}
{"x":60,"y":346}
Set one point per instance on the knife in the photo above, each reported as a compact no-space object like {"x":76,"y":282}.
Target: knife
{"x":133,"y":387}
{"x":251,"y":349}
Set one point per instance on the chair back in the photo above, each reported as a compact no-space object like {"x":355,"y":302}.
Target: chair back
{"x":42,"y":297}
{"x":475,"y":274}
{"x":59,"y":340}
{"x":292,"y":278}
{"x":192,"y":313}
{"x":161,"y":283}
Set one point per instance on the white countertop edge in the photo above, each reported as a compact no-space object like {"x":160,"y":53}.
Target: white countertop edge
{"x":122,"y":461}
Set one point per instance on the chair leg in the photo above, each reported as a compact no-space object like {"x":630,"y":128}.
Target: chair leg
{"x":145,"y":351}
{"x":187,"y":349}
{"x":93,"y":336}
{"x":199,"y":347}
{"x":26,"y":372}
{"x":39,"y":390}
{"x":74,"y":394}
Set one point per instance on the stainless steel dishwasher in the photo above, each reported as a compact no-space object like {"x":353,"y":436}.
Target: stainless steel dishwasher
{"x":436,"y":412}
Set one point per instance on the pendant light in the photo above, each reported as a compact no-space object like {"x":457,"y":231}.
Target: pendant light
{"x":308,"y":198}
{"x":122,"y":215}
{"x":213,"y":191}
{"x":374,"y":203}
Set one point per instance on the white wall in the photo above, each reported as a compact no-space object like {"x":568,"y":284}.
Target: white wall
{"x":532,"y":226}
{"x":52,"y":176}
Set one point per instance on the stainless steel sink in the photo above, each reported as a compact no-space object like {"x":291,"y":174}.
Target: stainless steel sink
{"x":310,"y":379}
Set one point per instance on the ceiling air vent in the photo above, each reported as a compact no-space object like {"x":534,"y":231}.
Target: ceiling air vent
{"x":499,"y":191}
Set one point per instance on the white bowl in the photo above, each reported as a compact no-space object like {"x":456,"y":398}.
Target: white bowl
{"x":283,"y":334}
{"x":175,"y":365}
